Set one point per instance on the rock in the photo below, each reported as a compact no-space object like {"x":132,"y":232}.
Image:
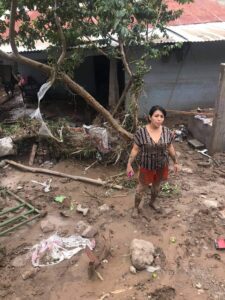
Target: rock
{"x":222,"y":214}
{"x":2,"y":164}
{"x":80,"y":226}
{"x":47,"y":226}
{"x":141,"y":253}
{"x":7,"y":147}
{"x":82,"y":210}
{"x":133,"y":270}
{"x":204,"y":164}
{"x":210,"y":203}
{"x":187,"y":170}
{"x":29,"y":273}
{"x":19,"y":261}
{"x":104,"y":208}
{"x":198,"y":285}
{"x":89,"y":232}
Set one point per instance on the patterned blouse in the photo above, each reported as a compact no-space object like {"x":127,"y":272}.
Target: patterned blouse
{"x":153,"y":156}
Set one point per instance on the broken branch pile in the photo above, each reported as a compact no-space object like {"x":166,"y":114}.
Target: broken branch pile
{"x":76,"y":142}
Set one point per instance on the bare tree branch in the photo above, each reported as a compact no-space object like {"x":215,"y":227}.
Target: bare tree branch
{"x":124,"y":59}
{"x":157,"y":21}
{"x":61,"y":35}
{"x":12,"y":27}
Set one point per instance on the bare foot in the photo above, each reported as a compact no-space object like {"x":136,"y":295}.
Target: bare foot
{"x":135,"y":213}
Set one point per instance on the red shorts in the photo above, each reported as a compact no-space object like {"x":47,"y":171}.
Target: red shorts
{"x":153,"y":176}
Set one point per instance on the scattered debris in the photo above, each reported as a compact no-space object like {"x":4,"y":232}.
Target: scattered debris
{"x":95,"y":261}
{"x":210,"y":203}
{"x":99,"y":136}
{"x":60,"y":198}
{"x":195,"y":144}
{"x":7,"y":147}
{"x":152,"y":269}
{"x":55,"y":249}
{"x":186,"y":170}
{"x":83,"y":210}
{"x":116,"y":292}
{"x":222,"y":214}
{"x":89,"y":232}
{"x":173,"y":240}
{"x":46,"y":184}
{"x":220,"y":244}
{"x":181,"y":133}
{"x":32,"y":154}
{"x":104,"y":208}
{"x":133,"y":270}
{"x":204,"y":164}
{"x":141,"y":253}
{"x":25,"y":213}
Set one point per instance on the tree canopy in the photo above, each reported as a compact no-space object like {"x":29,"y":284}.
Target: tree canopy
{"x":109,"y":27}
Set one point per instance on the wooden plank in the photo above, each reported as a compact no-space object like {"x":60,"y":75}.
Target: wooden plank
{"x":218,"y":132}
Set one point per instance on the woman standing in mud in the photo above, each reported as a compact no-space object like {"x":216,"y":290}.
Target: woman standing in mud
{"x":154,"y":142}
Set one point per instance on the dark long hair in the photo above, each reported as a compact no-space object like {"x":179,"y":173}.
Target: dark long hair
{"x":155,"y":108}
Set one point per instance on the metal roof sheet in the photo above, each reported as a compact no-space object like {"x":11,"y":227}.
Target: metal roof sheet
{"x":200,"y":11}
{"x":208,"y":32}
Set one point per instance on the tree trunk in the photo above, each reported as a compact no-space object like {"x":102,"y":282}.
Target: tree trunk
{"x":96,"y":105}
{"x":113,"y":84}
{"x":134,"y":110}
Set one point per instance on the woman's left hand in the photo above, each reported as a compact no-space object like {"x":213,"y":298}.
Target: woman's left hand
{"x":176,"y":167}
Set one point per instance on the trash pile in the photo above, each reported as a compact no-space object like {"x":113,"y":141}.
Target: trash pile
{"x":181,"y":133}
{"x":56,"y":249}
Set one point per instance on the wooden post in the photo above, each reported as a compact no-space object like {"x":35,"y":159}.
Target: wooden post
{"x":218,"y":130}
{"x":113,"y":83}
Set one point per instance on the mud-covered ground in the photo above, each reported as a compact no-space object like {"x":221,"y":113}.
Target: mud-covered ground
{"x":184,"y":234}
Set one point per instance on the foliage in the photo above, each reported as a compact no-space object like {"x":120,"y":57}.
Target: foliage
{"x":169,"y":190}
{"x":95,"y":24}
{"x":114,"y":28}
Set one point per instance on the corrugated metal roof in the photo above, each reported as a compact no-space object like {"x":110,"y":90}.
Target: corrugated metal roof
{"x":200,"y":11}
{"x":39,"y":46}
{"x":208,"y":32}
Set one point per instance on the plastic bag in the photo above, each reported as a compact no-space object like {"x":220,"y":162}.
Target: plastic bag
{"x":55,"y":249}
{"x":99,"y":136}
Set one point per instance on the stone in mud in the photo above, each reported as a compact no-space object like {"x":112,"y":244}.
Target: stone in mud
{"x":104,"y":208}
{"x":141,"y":253}
{"x":47,"y":226}
{"x":83,"y":210}
{"x":7,"y":147}
{"x":19,"y":261}
{"x":80,"y":226}
{"x":29,"y":273}
{"x":211,"y":203}
{"x":89,"y":232}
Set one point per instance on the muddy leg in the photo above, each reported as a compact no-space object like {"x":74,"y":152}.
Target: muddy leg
{"x":154,"y":193}
{"x":137,"y":200}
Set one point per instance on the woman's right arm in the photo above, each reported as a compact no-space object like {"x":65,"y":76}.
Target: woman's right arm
{"x":132,"y":156}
